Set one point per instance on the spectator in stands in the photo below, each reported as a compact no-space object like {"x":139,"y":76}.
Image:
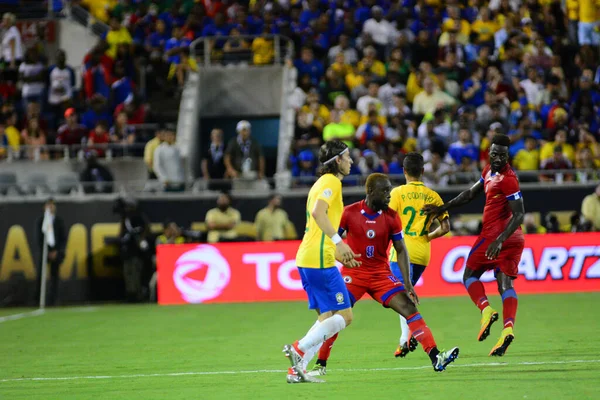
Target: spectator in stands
{"x":97,"y":111}
{"x":11,"y":138}
{"x":556,"y":163}
{"x":344,"y":46}
{"x":362,"y":105}
{"x":213,"y":165}
{"x":307,"y":64}
{"x":587,"y":30}
{"x":72,"y":132}
{"x":98,"y":139}
{"x":35,"y":139}
{"x":371,"y":131}
{"x":61,"y":78}
{"x":318,"y":113}
{"x":380,"y":30}
{"x":117,"y":35}
{"x":590,"y":208}
{"x":171,"y":235}
{"x":305,"y":133}
{"x":271,"y":222}
{"x":122,"y":87}
{"x":474,"y":87}
{"x":530,"y":226}
{"x":346,"y":114}
{"x":222,"y":221}
{"x":333,"y":86}
{"x":96,"y":178}
{"x":149,"y":150}
{"x":431,"y":98}
{"x":528,"y":159}
{"x":96,"y":77}
{"x":588,"y":168}
{"x":12,"y":45}
{"x":466,"y":173}
{"x":337,"y":129}
{"x":134,"y":108}
{"x":32,"y":74}
{"x":370,"y":163}
{"x":174,"y":45}
{"x":560,"y":139}
{"x":121,"y":132}
{"x":168,"y":164}
{"x":220,"y":27}
{"x":304,"y":168}
{"x":464,"y":148}
{"x":263,"y":49}
{"x":180,"y":71}
{"x":392,"y":88}
{"x":436,"y":172}
{"x":56,"y":240}
{"x":370,"y":64}
{"x":243,"y":156}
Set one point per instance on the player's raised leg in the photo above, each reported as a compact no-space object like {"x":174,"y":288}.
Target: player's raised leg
{"x":477,"y":291}
{"x":421,"y":332}
{"x":509,"y":312}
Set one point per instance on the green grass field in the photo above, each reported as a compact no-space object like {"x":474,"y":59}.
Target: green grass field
{"x":234,"y":352}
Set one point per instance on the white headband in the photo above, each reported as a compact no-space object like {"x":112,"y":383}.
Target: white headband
{"x":336,"y":156}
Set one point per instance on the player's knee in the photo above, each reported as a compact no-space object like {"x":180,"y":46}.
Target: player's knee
{"x":347,"y":315}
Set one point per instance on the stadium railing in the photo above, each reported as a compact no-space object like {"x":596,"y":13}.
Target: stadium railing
{"x":202,"y":49}
{"x":35,"y":185}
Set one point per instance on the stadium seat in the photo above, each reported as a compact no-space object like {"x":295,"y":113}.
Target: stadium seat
{"x":246,"y":229}
{"x":67,"y":184}
{"x":8,"y":182}
{"x":37,"y":184}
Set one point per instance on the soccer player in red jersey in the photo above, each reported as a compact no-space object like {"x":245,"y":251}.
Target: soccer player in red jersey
{"x":370,"y":225}
{"x":500,"y":244}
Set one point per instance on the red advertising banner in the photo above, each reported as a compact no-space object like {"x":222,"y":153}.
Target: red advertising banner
{"x":255,"y":272}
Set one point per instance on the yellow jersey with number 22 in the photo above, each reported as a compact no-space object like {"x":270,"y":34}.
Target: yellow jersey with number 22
{"x":317,"y":249}
{"x":408,"y":201}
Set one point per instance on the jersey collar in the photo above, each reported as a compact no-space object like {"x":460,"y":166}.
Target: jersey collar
{"x":367,"y":212}
{"x":416,"y":183}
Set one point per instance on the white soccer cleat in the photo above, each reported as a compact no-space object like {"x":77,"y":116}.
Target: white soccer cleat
{"x":444,"y":358}
{"x":318,"y":370}
{"x":295,"y":359}
{"x":293,"y":377}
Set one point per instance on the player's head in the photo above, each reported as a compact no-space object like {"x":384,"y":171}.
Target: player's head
{"x":413,"y":165}
{"x":499,"y":152}
{"x":378,"y":188}
{"x":335,"y":157}
{"x":50,"y":205}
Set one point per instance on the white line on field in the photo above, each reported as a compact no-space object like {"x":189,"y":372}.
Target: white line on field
{"x":279,"y":371}
{"x":22,"y":315}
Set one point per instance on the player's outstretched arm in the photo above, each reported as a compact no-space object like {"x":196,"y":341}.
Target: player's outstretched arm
{"x":343,"y":252}
{"x":404,"y":263}
{"x":441,"y":230}
{"x":465,"y":197}
{"x":518,"y":213}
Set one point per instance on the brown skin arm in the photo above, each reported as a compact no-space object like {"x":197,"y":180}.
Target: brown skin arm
{"x":443,"y":229}
{"x":518,"y":213}
{"x":404,"y":263}
{"x":465,"y":197}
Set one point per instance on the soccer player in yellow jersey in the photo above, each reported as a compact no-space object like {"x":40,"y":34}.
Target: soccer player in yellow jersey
{"x":320,"y":247}
{"x":408,"y":200}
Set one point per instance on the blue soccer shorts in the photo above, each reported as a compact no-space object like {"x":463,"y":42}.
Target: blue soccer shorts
{"x":325,"y":288}
{"x":416,"y":270}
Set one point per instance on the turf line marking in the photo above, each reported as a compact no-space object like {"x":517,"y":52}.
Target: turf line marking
{"x":22,"y":315}
{"x":279,"y":371}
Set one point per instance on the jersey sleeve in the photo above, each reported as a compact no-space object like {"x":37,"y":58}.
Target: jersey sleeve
{"x":510,"y":188}
{"x":396,"y":227}
{"x":330,"y":188}
{"x":484,"y":173}
{"x":343,"y":222}
{"x":439,"y":202}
